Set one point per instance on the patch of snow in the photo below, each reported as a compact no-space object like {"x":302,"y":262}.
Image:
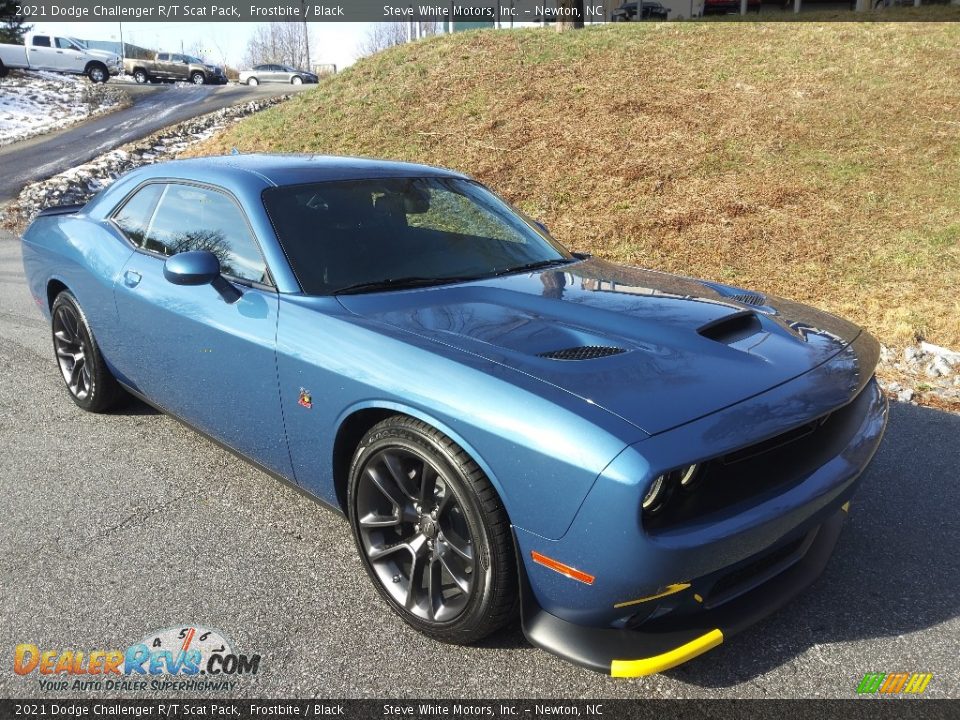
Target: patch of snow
{"x":33,"y":103}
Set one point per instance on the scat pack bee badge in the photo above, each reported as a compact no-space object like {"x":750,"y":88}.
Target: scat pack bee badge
{"x":306,"y":399}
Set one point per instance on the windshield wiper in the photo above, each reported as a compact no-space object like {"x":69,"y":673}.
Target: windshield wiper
{"x":539,"y":265}
{"x":400,"y":283}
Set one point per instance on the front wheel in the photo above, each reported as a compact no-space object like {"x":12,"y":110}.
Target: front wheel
{"x":89,"y":381}
{"x":197,"y":78}
{"x":432,"y":532}
{"x":140,"y":76}
{"x":98,"y":73}
{"x":252,"y":82}
{"x":296,"y":80}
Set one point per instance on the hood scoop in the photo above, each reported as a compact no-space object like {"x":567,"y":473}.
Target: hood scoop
{"x":732,"y":328}
{"x":749,"y":298}
{"x":583,"y":352}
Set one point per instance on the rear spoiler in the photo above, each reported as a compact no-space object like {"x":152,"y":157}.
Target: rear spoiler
{"x":61,"y":210}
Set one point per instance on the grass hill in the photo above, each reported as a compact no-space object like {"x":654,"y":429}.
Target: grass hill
{"x":818,"y":161}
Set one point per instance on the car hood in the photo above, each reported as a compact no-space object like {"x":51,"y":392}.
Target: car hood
{"x":673,"y":348}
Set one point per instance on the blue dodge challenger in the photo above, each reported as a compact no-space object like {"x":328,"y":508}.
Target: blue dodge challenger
{"x":635,"y":463}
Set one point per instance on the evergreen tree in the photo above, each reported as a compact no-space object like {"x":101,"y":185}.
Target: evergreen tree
{"x":12,"y":28}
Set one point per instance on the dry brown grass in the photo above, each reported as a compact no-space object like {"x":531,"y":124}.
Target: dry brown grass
{"x":815,"y":161}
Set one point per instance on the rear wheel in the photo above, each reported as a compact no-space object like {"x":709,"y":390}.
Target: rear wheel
{"x":89,"y":381}
{"x":252,"y":82}
{"x":432,"y":532}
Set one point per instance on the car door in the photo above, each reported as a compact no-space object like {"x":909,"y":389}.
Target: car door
{"x":42,"y":55}
{"x":69,"y":57}
{"x":179,"y":68}
{"x":161,"y":66}
{"x":199,"y":353}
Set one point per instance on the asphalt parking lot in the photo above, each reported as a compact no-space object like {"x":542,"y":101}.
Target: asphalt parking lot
{"x":117,"y":525}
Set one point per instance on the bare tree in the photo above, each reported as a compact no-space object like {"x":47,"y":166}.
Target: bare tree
{"x":388,"y":34}
{"x":280,"y":43}
{"x":570,"y":22}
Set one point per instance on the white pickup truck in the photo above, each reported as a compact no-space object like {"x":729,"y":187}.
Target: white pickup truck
{"x":60,"y":54}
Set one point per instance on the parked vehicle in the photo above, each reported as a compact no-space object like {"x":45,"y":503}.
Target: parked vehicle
{"x":628,"y":12}
{"x":277,"y":74}
{"x":643,"y":463}
{"x":727,"y":7}
{"x":58,"y":53}
{"x":174,"y":67}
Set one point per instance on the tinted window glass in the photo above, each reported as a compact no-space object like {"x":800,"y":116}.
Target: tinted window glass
{"x":193,"y":218}
{"x":134,"y":216}
{"x":41,"y":41}
{"x":162,"y":57}
{"x":340,"y":234}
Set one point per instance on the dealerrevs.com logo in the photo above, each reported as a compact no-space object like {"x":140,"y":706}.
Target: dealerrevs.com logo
{"x":177,"y":658}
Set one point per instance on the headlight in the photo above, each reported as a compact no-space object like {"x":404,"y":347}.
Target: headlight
{"x":689,"y":475}
{"x":663,"y":487}
{"x":660,"y":491}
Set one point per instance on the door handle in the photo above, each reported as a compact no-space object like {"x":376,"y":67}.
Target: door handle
{"x":131,"y":278}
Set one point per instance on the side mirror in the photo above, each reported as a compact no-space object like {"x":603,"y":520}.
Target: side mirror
{"x":196,"y":267}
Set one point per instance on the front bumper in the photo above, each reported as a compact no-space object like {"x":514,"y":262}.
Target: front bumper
{"x":660,"y":596}
{"x":663,"y":644}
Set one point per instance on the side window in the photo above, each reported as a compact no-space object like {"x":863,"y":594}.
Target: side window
{"x":193,"y":218}
{"x":41,"y":41}
{"x":134,"y":217}
{"x":162,"y":57}
{"x":66,"y":44}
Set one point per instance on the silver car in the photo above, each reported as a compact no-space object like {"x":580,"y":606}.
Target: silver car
{"x":276,"y":74}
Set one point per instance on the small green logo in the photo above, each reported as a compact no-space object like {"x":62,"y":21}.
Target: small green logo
{"x":894,"y":683}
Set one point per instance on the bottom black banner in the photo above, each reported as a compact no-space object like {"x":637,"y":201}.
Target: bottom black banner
{"x":460,"y":709}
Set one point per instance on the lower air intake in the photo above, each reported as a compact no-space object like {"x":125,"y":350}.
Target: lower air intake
{"x":584,"y":352}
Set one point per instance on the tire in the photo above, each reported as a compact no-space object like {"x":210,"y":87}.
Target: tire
{"x":91,"y":385}
{"x":140,"y":76}
{"x":252,"y":82}
{"x":97,"y":72}
{"x":4,"y":70}
{"x":198,"y":78}
{"x":296,"y":80}
{"x":459,"y":556}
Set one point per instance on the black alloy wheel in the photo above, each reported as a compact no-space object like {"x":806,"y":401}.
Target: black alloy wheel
{"x":432,"y":532}
{"x":88,"y":379}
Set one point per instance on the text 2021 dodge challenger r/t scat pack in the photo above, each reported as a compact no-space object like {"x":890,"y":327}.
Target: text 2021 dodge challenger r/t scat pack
{"x":637,"y":464}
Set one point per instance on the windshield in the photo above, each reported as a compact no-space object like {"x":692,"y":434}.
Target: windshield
{"x":344,"y":234}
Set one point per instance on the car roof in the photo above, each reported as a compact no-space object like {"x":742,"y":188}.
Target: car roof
{"x":294,"y":169}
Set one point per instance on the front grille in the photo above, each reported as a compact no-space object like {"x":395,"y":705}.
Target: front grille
{"x":585,"y":352}
{"x":763,"y":470}
{"x":773,"y":443}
